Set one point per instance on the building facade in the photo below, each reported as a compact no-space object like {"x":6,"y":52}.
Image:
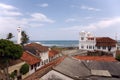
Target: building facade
{"x":38,"y":50}
{"x":89,"y":42}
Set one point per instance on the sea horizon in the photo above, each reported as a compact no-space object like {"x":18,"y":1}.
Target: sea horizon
{"x":59,"y":43}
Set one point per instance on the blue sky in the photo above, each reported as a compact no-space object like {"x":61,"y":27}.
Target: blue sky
{"x":60,"y":19}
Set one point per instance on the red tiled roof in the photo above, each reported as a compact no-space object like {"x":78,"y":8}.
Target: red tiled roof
{"x":105,"y":41}
{"x":30,"y":58}
{"x":96,"y":58}
{"x":52,"y":53}
{"x":38,"y":47}
{"x":44,"y":69}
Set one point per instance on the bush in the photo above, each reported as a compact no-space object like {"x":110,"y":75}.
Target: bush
{"x":12,"y":75}
{"x":118,"y":57}
{"x":24,"y":69}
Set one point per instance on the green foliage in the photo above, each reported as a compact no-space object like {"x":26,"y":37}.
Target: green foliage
{"x":24,"y":69}
{"x":9,"y":50}
{"x":13,"y":74}
{"x":24,"y":38}
{"x":9,"y":36}
{"x":118,"y":57}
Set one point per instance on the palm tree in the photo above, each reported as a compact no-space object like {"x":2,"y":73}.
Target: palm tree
{"x":9,"y":36}
{"x":24,"y":38}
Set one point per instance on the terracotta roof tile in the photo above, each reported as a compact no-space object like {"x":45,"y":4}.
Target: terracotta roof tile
{"x":36,"y":46}
{"x":30,"y":58}
{"x":96,"y":58}
{"x":105,"y":41}
{"x":52,"y":53}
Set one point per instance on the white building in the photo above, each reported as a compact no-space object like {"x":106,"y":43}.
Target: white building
{"x":38,"y":50}
{"x":33,"y":61}
{"x":89,"y":42}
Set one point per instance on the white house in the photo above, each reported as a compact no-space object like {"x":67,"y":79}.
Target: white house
{"x":33,"y":61}
{"x":89,"y":42}
{"x":38,"y":50}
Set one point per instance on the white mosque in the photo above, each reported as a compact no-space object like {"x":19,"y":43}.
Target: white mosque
{"x":90,"y":42}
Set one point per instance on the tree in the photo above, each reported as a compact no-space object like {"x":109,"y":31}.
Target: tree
{"x":24,"y":38}
{"x":24,"y":69}
{"x":9,"y":36}
{"x":8,"y":51}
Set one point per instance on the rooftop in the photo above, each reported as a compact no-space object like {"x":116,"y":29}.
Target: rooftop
{"x":96,"y":58}
{"x":52,"y":53}
{"x":105,"y":41}
{"x":72,"y":68}
{"x":30,"y":58}
{"x":35,"y":47}
{"x":112,"y":67}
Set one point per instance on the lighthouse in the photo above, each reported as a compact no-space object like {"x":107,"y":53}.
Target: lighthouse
{"x":19,"y":35}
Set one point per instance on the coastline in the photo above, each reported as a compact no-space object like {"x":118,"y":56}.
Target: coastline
{"x":57,"y":43}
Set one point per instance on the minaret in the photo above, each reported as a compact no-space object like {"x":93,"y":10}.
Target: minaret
{"x":19,"y":35}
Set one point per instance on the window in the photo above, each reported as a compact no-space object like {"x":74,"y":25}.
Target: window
{"x":82,"y":47}
{"x":31,"y":67}
{"x":35,"y":65}
{"x":98,"y":47}
{"x":47,"y":60}
{"x":90,"y":47}
{"x":87,"y":47}
{"x":82,"y":38}
{"x":42,"y":62}
{"x":104,"y":47}
{"x":38,"y":64}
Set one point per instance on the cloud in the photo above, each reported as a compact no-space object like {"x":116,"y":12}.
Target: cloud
{"x":89,"y":8}
{"x":6,"y":6}
{"x":84,"y":7}
{"x":70,"y":20}
{"x":43,"y":5}
{"x":99,"y":25}
{"x":10,"y":13}
{"x":41,"y":17}
{"x":8,"y":10}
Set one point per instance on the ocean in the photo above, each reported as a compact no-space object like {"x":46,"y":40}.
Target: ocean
{"x":59,"y":43}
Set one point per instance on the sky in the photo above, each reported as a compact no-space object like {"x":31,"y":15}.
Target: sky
{"x":60,"y":19}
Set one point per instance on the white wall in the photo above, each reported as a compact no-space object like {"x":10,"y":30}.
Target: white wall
{"x":44,"y":57}
{"x":31,"y":71}
{"x":85,"y":42}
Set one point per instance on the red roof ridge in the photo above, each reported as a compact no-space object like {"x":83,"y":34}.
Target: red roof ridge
{"x":96,"y":58}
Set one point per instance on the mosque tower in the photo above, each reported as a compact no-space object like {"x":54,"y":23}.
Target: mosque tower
{"x":19,"y":35}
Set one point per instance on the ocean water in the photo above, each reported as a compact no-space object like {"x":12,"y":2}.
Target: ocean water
{"x":60,"y":43}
